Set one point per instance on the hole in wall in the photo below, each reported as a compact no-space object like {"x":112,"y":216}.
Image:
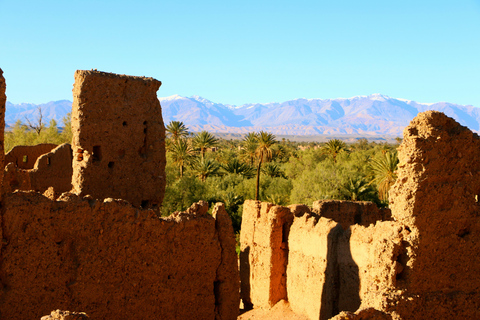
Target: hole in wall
{"x":111,"y":164}
{"x":463,"y":232}
{"x":357,"y":219}
{"x":145,"y":203}
{"x":25,"y":159}
{"x":401,"y":262}
{"x":48,"y":160}
{"x":124,"y":123}
{"x":97,"y":153}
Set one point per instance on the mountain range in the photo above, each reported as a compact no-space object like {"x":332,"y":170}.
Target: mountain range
{"x":371,"y":115}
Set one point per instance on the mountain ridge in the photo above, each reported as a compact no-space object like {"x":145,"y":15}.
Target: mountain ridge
{"x":370,"y":115}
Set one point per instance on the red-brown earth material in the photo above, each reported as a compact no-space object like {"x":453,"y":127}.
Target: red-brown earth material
{"x":112,"y":261}
{"x":52,"y":169}
{"x":263,"y":253}
{"x":3,"y":101}
{"x":25,"y":157}
{"x":118,"y":138}
{"x":317,"y":262}
{"x":436,"y":196}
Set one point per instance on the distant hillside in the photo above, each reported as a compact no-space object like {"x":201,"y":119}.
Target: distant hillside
{"x":371,"y":115}
{"x":51,"y":110}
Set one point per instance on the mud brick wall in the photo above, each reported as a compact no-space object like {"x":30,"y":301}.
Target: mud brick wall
{"x":437,"y":197}
{"x":3,"y":101}
{"x":52,"y":169}
{"x":25,"y":157}
{"x":112,"y":261}
{"x":322,"y":274}
{"x":373,"y":260}
{"x":118,"y":138}
{"x":348,"y":213}
{"x":263,"y":253}
{"x":310,"y":281}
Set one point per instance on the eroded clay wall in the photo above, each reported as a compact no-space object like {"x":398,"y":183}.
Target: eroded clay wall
{"x":436,"y":196}
{"x":118,"y":138}
{"x":263,"y":253}
{"x":325,"y":270}
{"x":25,"y":157}
{"x":112,"y":261}
{"x":311,"y":265}
{"x":3,"y":101}
{"x":52,"y":169}
{"x":348,"y":213}
{"x":372,"y":260}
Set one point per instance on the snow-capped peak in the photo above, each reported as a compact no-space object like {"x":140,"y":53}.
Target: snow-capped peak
{"x":170,"y":98}
{"x":378,"y":97}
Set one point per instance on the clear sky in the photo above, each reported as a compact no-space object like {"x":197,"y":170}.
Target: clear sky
{"x":236,"y":52}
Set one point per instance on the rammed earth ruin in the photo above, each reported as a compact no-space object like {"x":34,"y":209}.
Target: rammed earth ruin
{"x":94,"y":243}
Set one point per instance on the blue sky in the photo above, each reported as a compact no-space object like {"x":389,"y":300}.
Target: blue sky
{"x":237,"y":52}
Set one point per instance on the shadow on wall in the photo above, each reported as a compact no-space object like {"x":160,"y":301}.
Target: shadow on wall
{"x":245,"y":279}
{"x":341,"y":289}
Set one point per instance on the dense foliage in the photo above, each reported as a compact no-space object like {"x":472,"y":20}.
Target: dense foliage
{"x":228,"y":170}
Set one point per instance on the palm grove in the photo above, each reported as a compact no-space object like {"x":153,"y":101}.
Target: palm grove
{"x":203,"y":167}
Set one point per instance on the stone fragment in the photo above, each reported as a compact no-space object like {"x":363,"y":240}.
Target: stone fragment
{"x":65,"y":315}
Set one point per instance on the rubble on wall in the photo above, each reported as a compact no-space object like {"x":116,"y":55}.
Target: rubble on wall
{"x":65,"y":315}
{"x":112,"y":260}
{"x":364,"y":314}
{"x":118,"y":138}
{"x":51,"y":169}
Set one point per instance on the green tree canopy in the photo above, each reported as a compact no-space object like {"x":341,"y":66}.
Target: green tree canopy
{"x":176,"y":130}
{"x":384,"y":169}
{"x":182,"y":153}
{"x":204,"y":140}
{"x":334,"y":147}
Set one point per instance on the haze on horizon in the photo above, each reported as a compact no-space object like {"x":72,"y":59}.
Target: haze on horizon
{"x":247,"y":52}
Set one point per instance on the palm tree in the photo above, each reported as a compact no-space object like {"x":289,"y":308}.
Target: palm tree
{"x":204,"y":140}
{"x":249,"y":147}
{"x":236,"y":167}
{"x":204,"y":168}
{"x":334,"y":147}
{"x":280,"y":153}
{"x":182,"y":153}
{"x":384,"y":169}
{"x":273,"y":170}
{"x":263,"y":153}
{"x":176,"y":130}
{"x":356,"y":189}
